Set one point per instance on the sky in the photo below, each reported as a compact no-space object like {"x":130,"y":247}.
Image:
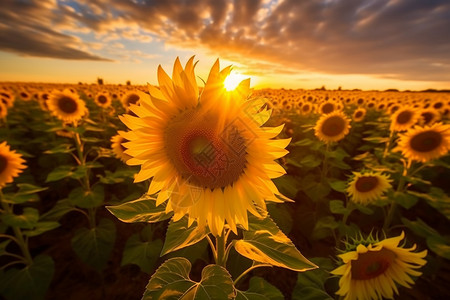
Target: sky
{"x":364,"y":44}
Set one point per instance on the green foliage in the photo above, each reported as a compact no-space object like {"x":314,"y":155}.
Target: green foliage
{"x":171,"y":281}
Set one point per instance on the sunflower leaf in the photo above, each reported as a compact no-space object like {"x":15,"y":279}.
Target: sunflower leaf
{"x":59,"y":173}
{"x":27,"y":220}
{"x":264,"y":242}
{"x":260,"y":290}
{"x":311,"y":285}
{"x":141,"y":253}
{"x":143,"y":209}
{"x":171,"y":280}
{"x":180,"y":235}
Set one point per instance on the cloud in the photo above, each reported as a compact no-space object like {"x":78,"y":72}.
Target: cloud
{"x":402,"y":39}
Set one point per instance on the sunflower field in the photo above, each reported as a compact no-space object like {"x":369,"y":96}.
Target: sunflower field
{"x":188,"y":191}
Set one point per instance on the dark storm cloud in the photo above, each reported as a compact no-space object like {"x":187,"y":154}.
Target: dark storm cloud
{"x":27,"y":28}
{"x":404,"y":39}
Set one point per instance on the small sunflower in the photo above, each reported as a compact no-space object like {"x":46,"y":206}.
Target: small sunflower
{"x":66,"y":106}
{"x":404,"y":118}
{"x":11,"y":164}
{"x":373,"y":271}
{"x":425,"y":143}
{"x":327,"y":107}
{"x":7,"y":98}
{"x":103,"y":99}
{"x":367,"y":187}
{"x":306,"y":108}
{"x":359,"y":114}
{"x":118,"y":148}
{"x":207,"y":154}
{"x":332,"y":127}
{"x":429,"y":116}
{"x":130,"y":98}
{"x":3,"y":110}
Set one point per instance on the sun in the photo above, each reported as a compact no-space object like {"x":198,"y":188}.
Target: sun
{"x":232,"y":81}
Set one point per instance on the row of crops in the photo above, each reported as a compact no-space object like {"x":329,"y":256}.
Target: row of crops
{"x":368,"y":173}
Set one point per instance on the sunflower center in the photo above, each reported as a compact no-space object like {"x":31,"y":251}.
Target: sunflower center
{"x":102,"y":99}
{"x":372,"y":264}
{"x":203,"y":156}
{"x":366,"y":183}
{"x":67,"y":105}
{"x":327,"y":108}
{"x":3,"y":163}
{"x":333,"y":126}
{"x":404,"y":117}
{"x":358,"y":114}
{"x":426,"y":141}
{"x":427,"y":117}
{"x":132,"y":99}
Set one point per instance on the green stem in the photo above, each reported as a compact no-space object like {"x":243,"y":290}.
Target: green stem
{"x":23,"y":245}
{"x":221,"y":249}
{"x":388,"y":144}
{"x":392,"y":208}
{"x":248,"y":270}
{"x":325,"y":163}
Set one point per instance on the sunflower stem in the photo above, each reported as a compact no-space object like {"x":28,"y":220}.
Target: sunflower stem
{"x":221,"y":241}
{"x":23,"y":245}
{"x":388,"y":144}
{"x":392,"y":208}
{"x":248,"y":270}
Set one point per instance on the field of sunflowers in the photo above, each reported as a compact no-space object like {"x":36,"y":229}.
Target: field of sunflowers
{"x":180,"y":191}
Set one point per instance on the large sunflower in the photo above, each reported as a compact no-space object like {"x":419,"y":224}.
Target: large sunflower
{"x":367,"y":187}
{"x":66,"y":106}
{"x":425,"y":143}
{"x":332,"y":127}
{"x":207,"y":154}
{"x":11,"y":164}
{"x":373,"y":271}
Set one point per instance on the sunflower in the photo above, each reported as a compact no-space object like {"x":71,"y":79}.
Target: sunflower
{"x":130,"y":98}
{"x":332,"y":127}
{"x":425,"y":143}
{"x":404,"y":118}
{"x":367,"y":187}
{"x":207,"y":155}
{"x":327,"y":107}
{"x":359,"y":114}
{"x":373,"y":271}
{"x":66,"y":106}
{"x":306,"y":108}
{"x":429,"y":116}
{"x":7,"y":98}
{"x":11,"y":164}
{"x":103,"y":99}
{"x":3,"y":110}
{"x":118,"y":148}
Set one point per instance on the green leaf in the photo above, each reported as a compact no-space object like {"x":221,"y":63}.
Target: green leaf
{"x":30,"y":282}
{"x":116,"y":177}
{"x":337,"y":207}
{"x":3,"y":246}
{"x":61,"y":148}
{"x":143,"y":254}
{"x":281,"y":215}
{"x":437,"y":198}
{"x":439,"y":245}
{"x":404,"y":199}
{"x":143,"y":209}
{"x":310,"y":161}
{"x":171,"y":281}
{"x":179,"y":235}
{"x":303,"y":142}
{"x":41,"y":227}
{"x":338,"y":185}
{"x":324,"y":227}
{"x":310,"y":285}
{"x":264,"y":242}
{"x":420,"y":228}
{"x":288,"y":185}
{"x":260,"y":290}
{"x":89,"y":139}
{"x":27,"y":220}
{"x":87,"y":199}
{"x":56,"y":212}
{"x":59,"y":173}
{"x":94,"y":246}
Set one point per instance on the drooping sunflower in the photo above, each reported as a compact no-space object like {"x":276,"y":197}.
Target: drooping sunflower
{"x":66,"y":106}
{"x":103,"y":99}
{"x":332,"y":127}
{"x":359,"y":114}
{"x":368,"y":187}
{"x":11,"y":164}
{"x":373,"y":271}
{"x":207,"y":154}
{"x":404,"y":118}
{"x":425,"y":143}
{"x":118,"y":148}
